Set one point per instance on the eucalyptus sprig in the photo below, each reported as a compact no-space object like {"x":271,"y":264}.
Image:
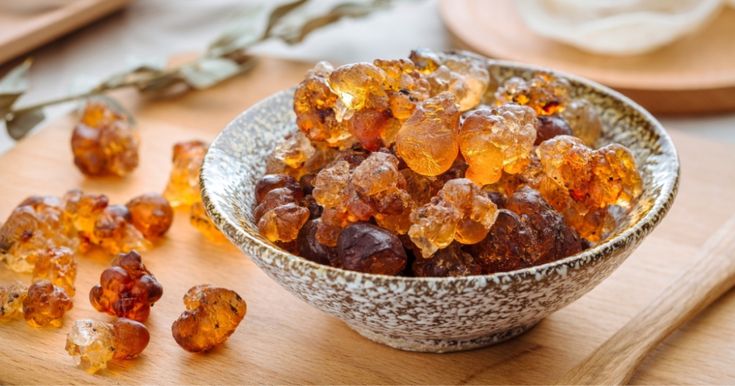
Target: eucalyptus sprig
{"x":225,"y":57}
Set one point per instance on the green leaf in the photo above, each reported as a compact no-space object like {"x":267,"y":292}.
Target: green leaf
{"x":23,"y":122}
{"x":13,"y":85}
{"x":207,"y":72}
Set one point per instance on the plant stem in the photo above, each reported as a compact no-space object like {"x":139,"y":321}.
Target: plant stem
{"x":68,"y":98}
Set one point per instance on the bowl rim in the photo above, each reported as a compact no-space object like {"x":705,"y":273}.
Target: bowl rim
{"x":635,"y":233}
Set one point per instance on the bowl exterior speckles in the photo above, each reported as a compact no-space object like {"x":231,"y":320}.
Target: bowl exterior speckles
{"x":436,"y":314}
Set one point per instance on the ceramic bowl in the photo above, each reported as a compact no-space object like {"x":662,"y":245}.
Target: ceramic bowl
{"x":437,"y":314}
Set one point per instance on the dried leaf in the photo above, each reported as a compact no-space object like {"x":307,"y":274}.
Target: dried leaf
{"x":6,"y":103}
{"x":13,"y":85}
{"x":247,"y":31}
{"x":295,"y":33}
{"x":136,"y":75}
{"x":278,"y":13}
{"x":16,"y":80}
{"x":161,"y":84}
{"x":207,"y":72}
{"x":23,"y":122}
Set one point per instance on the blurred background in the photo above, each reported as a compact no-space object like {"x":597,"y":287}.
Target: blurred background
{"x":677,"y":57}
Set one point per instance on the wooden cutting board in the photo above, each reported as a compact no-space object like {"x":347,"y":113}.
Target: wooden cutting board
{"x":695,"y":74}
{"x":22,"y":31}
{"x":283,"y":340}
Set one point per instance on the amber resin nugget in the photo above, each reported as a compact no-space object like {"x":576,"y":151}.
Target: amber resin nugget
{"x":38,"y":223}
{"x":11,"y":300}
{"x":496,"y":141}
{"x":406,"y":86}
{"x":310,"y":248}
{"x":279,"y":212}
{"x":463,"y":75}
{"x":93,"y":344}
{"x":151,"y":214}
{"x":364,"y":247}
{"x":183,"y":183}
{"x":46,"y":304}
{"x":127,"y":289}
{"x":544,"y":93}
{"x":378,"y":182}
{"x":450,"y":261}
{"x":363,"y":104}
{"x":183,"y":186}
{"x":115,"y":232}
{"x":331,"y":192}
{"x":427,"y":141}
{"x":103,"y":142}
{"x":212,"y":315}
{"x":314,"y":103}
{"x":528,"y":231}
{"x":83,"y":209}
{"x":99,"y":223}
{"x":584,"y":121}
{"x":200,"y":220}
{"x":58,"y":266}
{"x":461,"y":211}
{"x":297,"y":156}
{"x":582,"y":183}
{"x":375,"y":188}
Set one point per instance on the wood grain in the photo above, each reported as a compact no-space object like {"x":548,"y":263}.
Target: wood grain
{"x":21,"y":32}
{"x":695,"y":74}
{"x":283,"y":340}
{"x":711,"y":275}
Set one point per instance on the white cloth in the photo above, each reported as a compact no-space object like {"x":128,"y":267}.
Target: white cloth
{"x":617,"y":27}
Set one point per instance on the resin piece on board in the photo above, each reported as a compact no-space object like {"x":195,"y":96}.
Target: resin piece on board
{"x":212,"y":314}
{"x":127,"y":289}
{"x":104,"y":142}
{"x":93,"y":343}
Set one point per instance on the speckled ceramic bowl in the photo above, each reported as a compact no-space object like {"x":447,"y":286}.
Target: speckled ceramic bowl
{"x":436,"y":314}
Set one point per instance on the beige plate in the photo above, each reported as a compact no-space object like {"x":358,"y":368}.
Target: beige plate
{"x":21,"y":32}
{"x":693,"y":75}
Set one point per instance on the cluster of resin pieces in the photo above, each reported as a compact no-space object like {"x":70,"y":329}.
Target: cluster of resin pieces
{"x":44,"y":234}
{"x":126,"y":290}
{"x":49,"y":297}
{"x":104,"y":143}
{"x":80,"y":221}
{"x":431,"y":167}
{"x":182,"y":189}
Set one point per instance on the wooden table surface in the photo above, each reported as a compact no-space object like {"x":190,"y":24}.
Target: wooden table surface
{"x":283,"y":340}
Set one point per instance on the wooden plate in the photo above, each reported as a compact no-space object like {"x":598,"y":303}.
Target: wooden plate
{"x":693,"y":75}
{"x":21,"y":32}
